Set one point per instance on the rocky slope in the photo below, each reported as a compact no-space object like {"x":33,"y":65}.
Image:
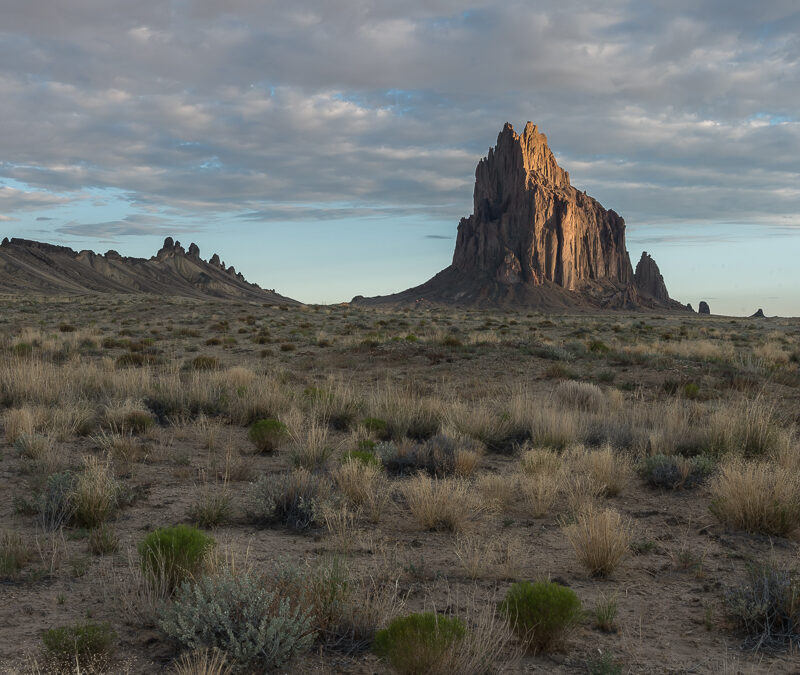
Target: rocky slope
{"x":39,"y":268}
{"x":535,"y":240}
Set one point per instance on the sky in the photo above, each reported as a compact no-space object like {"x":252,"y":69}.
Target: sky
{"x":327,"y":148}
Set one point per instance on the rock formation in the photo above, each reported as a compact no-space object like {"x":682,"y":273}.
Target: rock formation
{"x":758,"y":315}
{"x":35,"y":267}
{"x":648,"y":279}
{"x":703,"y":308}
{"x":534,"y":240}
{"x":529,"y":225}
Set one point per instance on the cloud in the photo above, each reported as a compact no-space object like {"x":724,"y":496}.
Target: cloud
{"x":326,"y":110}
{"x":437,"y":236}
{"x":133,"y":225}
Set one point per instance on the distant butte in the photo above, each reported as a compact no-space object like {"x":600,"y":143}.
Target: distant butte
{"x":45,"y":269}
{"x":533,"y":240}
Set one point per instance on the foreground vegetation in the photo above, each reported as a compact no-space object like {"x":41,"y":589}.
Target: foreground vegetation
{"x":195,"y":487}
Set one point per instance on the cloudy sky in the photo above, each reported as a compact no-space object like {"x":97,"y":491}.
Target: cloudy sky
{"x":327,"y":148}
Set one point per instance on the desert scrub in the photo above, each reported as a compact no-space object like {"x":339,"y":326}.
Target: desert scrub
{"x":359,"y":481}
{"x":103,"y":540}
{"x":55,"y":505}
{"x":364,"y":455}
{"x":583,"y":396}
{"x":95,"y":493}
{"x":756,"y":497}
{"x":439,"y":456}
{"x":234,"y":612}
{"x":170,"y":555}
{"x":601,"y":539}
{"x":87,"y":643}
{"x":293,"y":499}
{"x":267,"y":435}
{"x":203,"y":362}
{"x":440,"y":503}
{"x":202,"y":662}
{"x":540,"y":461}
{"x":14,"y":553}
{"x":419,"y":643}
{"x":766,"y":607}
{"x":673,"y":472}
{"x":541,"y":613}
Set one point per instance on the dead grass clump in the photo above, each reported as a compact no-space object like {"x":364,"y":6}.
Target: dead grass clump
{"x":610,"y":470}
{"x":439,"y":503}
{"x":583,"y":396}
{"x":756,"y":497}
{"x":202,"y":662}
{"x":539,"y":491}
{"x":601,"y":538}
{"x":582,"y":492}
{"x":40,"y":454}
{"x":18,"y":422}
{"x":311,"y":448}
{"x":748,"y":427}
{"x":95,"y":493}
{"x":405,"y":413}
{"x":497,"y":491}
{"x":123,"y":448}
{"x":363,"y":484}
{"x":554,"y":428}
{"x":15,"y":553}
{"x":540,"y":461}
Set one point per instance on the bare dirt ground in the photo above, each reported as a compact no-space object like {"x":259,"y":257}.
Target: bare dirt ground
{"x":72,"y":370}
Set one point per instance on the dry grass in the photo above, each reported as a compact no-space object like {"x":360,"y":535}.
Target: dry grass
{"x":539,"y":492}
{"x":18,"y":422}
{"x":440,"y":503}
{"x":311,"y":447}
{"x":756,"y":497}
{"x":583,"y":396}
{"x":202,"y":662}
{"x":609,"y":470}
{"x":540,"y":461}
{"x":95,"y":492}
{"x":601,"y":539}
{"x":498,"y":491}
{"x":581,"y":491}
{"x":554,"y":427}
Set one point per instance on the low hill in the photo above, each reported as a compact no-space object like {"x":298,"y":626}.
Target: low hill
{"x":32,"y":267}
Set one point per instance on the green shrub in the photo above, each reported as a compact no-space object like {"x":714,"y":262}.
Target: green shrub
{"x":376,"y":426}
{"x":674,"y":471}
{"x":540,"y":613}
{"x":691,"y":391}
{"x":766,"y":608}
{"x":365,"y":457}
{"x":87,"y":642}
{"x":236,"y":614}
{"x":267,"y":434}
{"x":416,"y":643}
{"x":170,"y":555}
{"x":598,"y":347}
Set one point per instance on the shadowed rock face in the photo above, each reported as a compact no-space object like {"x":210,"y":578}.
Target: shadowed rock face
{"x":35,"y":267}
{"x":648,"y":279}
{"x":703,"y":308}
{"x":529,"y":225}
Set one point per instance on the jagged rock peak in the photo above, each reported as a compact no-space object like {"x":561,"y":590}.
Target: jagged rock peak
{"x":648,"y":279}
{"x":530,"y":226}
{"x":5,"y":242}
{"x":703,"y":308}
{"x":194,"y":250}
